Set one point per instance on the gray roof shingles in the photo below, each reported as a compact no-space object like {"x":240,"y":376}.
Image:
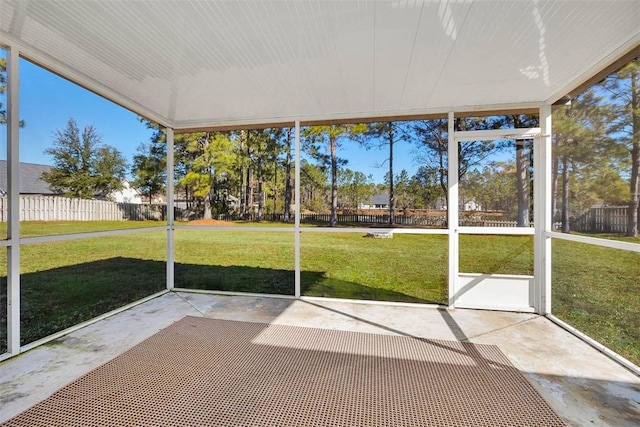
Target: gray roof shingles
{"x":30,"y":182}
{"x":381,"y":199}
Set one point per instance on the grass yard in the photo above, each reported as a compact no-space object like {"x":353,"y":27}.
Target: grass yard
{"x":597,"y":290}
{"x":496,"y":254}
{"x":409,"y":268}
{"x":232,"y":260}
{"x":344,"y":265}
{"x":50,"y":228}
{"x":64,"y":283}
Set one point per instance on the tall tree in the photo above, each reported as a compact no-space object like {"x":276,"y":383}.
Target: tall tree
{"x":426,"y":189}
{"x":313,"y":187}
{"x":265,"y":150}
{"x":432,"y":145}
{"x":581,"y":149}
{"x":83,"y":166}
{"x":492,"y":188}
{"x":355,"y":188}
{"x":150,"y":168}
{"x":403,"y":199}
{"x":248,"y":181}
{"x":3,"y":88}
{"x":210,"y":169}
{"x":322,"y":143}
{"x":523,"y":167}
{"x":243,"y":169}
{"x":288,"y":191}
{"x":387,"y":133}
{"x":624,"y":89}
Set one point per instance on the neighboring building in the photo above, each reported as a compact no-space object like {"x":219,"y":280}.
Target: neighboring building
{"x":127,"y":194}
{"x":441,"y":205}
{"x":470,"y":205}
{"x":31,"y":183}
{"x":378,"y":201}
{"x":30,"y":179}
{"x":233,"y":202}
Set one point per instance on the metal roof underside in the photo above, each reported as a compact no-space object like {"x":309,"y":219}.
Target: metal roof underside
{"x":191,"y":64}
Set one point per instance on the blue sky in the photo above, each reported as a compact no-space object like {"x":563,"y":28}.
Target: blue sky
{"x":48,"y":101}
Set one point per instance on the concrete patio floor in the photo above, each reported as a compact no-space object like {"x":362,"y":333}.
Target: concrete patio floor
{"x":581,"y":384}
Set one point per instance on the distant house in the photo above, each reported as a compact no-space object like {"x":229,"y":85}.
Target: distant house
{"x":127,"y":194}
{"x":30,"y":180}
{"x":378,"y":201}
{"x":233,"y":202}
{"x":470,"y":205}
{"x":441,"y":205}
{"x":31,"y":183}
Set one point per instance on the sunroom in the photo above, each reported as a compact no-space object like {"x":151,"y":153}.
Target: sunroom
{"x":500,"y":141}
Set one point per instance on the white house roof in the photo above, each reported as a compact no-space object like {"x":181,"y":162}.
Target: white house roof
{"x":189,"y":64}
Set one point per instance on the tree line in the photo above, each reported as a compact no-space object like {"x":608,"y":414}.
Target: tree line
{"x":251,"y":171}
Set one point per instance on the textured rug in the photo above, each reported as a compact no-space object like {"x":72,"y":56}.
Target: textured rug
{"x":206,"y":372}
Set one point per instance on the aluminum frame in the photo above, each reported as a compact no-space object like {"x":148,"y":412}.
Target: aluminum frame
{"x":13,"y":226}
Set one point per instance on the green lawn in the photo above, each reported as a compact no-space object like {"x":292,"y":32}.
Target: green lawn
{"x":49,"y":228}
{"x":597,"y":291}
{"x":496,"y":254}
{"x":63,"y":283}
{"x":335,"y":265}
{"x":67,"y":282}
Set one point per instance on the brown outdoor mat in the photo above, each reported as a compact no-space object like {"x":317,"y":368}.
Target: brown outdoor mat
{"x":206,"y":372}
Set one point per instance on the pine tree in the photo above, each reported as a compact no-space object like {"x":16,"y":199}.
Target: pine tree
{"x":322,"y":143}
{"x":624,"y":89}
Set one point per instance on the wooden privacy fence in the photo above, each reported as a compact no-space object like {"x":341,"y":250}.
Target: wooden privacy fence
{"x":56,"y":208}
{"x":611,"y":219}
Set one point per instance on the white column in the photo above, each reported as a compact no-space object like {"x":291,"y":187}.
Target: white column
{"x":297,"y":212}
{"x":542,"y":213}
{"x":452,"y":210}
{"x":13,"y":217}
{"x":170,"y":212}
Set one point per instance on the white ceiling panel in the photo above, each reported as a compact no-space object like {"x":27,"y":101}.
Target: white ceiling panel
{"x":439,"y":26}
{"x":207,"y":63}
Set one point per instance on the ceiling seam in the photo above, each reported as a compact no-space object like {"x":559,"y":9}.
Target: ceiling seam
{"x":339,"y":66}
{"x":373,"y":82}
{"x":444,"y":63}
{"x":413,"y":47}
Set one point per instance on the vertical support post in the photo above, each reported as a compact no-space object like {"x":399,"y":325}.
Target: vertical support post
{"x":297,"y":213}
{"x":452,"y":210}
{"x":13,"y":217}
{"x":542,"y":213}
{"x":170,"y":211}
